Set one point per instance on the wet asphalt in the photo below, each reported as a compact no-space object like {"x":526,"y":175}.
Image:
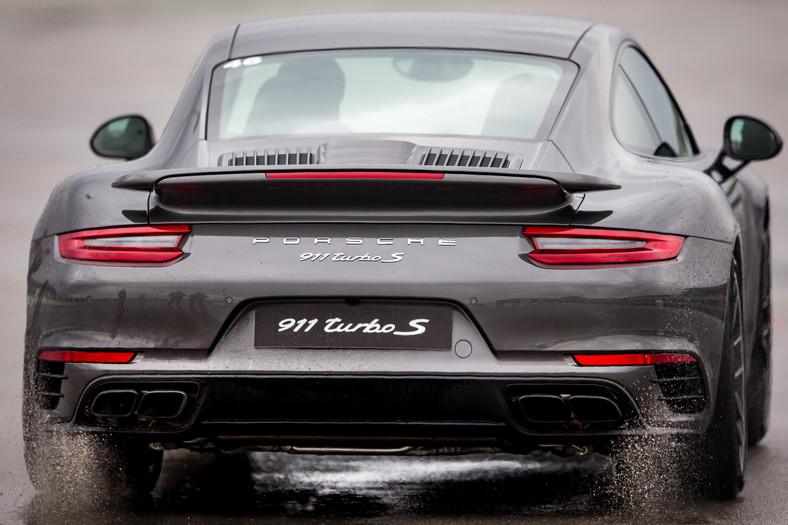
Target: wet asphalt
{"x":65,"y":67}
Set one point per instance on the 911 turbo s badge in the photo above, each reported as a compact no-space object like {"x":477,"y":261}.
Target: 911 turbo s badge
{"x":343,"y":257}
{"x":366,"y":257}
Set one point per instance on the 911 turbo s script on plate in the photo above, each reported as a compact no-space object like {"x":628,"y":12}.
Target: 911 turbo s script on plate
{"x":340,"y":325}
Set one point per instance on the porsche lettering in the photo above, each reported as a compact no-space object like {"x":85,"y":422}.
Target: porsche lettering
{"x":355,"y":241}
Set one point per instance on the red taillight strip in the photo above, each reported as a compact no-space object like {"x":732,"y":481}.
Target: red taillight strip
{"x":81,"y":356}
{"x":655,"y":247}
{"x":87,"y":245}
{"x":631,"y":359}
{"x":356,"y":175}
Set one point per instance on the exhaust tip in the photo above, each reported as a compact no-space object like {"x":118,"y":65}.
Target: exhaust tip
{"x":595,"y":409}
{"x":541,"y":408}
{"x":162,"y":404}
{"x":114,"y":403}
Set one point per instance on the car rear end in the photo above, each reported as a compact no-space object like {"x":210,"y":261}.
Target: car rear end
{"x":410,"y":308}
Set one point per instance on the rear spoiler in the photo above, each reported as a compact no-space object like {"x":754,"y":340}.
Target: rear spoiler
{"x":568,"y":182}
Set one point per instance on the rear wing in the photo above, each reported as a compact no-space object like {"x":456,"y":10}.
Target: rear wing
{"x":362,"y":195}
{"x":569,"y":182}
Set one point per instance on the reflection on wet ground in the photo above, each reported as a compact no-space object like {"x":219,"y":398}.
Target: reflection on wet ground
{"x":278,"y":488}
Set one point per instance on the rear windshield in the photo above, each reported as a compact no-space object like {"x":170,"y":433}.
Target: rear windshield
{"x":430,"y":92}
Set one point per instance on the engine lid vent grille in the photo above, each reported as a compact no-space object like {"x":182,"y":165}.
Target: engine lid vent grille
{"x":469,"y":158}
{"x":277,"y":157}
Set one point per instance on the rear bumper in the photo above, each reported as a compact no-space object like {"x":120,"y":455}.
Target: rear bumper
{"x":370,"y":411}
{"x":514,"y":329}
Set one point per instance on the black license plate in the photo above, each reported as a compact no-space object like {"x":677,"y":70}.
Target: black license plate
{"x":354,"y":326}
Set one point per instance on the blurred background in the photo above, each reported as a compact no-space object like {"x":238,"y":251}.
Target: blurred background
{"x":66,"y":66}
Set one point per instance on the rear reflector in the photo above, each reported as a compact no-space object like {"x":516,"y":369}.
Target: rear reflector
{"x":132,"y":245}
{"x":356,"y":175}
{"x":81,"y":356}
{"x":631,"y":359}
{"x":556,"y":245}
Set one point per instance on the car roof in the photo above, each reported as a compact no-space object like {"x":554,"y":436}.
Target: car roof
{"x":540,"y":35}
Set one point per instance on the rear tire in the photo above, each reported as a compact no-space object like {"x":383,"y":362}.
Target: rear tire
{"x":759,"y":385}
{"x":88,"y":469}
{"x":720,"y":454}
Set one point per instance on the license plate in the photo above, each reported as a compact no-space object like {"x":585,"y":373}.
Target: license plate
{"x":354,"y":326}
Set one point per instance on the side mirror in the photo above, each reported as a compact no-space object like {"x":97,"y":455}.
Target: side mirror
{"x":745,"y":139}
{"x":127,"y":137}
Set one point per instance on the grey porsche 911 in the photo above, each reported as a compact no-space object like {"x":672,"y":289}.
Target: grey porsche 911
{"x":401,"y":233}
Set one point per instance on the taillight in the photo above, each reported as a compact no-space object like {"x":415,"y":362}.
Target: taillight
{"x":82,"y":356}
{"x":558,"y":245}
{"x":128,"y":245}
{"x":631,"y":359}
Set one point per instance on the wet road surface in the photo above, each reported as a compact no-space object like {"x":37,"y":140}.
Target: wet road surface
{"x":66,"y":70}
{"x":279,"y":488}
